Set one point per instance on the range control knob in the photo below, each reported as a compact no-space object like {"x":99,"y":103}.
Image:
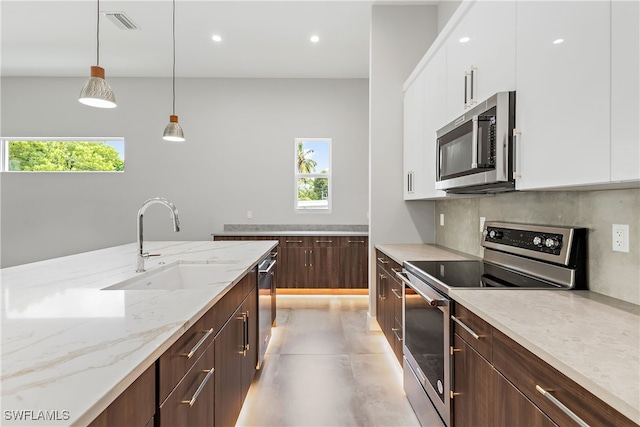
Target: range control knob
{"x":537,"y":241}
{"x":495,"y":234}
{"x":551,"y":243}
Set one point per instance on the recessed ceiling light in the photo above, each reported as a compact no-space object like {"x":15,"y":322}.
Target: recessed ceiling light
{"x":314,"y":39}
{"x":558,"y":41}
{"x":464,"y":39}
{"x":216,"y":38}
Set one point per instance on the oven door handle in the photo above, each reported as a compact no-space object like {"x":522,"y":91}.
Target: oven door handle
{"x":432,"y":302}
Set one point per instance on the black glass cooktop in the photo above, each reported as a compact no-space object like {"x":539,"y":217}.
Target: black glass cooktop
{"x":472,"y":274}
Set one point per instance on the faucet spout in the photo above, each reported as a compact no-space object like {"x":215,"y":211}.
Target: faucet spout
{"x":142,"y":255}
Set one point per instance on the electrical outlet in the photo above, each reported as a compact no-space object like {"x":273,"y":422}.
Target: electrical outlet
{"x":249,"y":214}
{"x":442,"y":219}
{"x":482,"y":219}
{"x":620,"y":237}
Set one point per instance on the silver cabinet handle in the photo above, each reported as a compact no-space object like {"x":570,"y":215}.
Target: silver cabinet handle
{"x":382,"y":261}
{"x":466,"y":75}
{"x":355,"y":241}
{"x":324,"y":241}
{"x":474,"y":143}
{"x":198,"y":344}
{"x":396,"y":293}
{"x":395,"y":332}
{"x":199,"y":389}
{"x":472,"y":99}
{"x":293,"y":241}
{"x":382,"y":295}
{"x":305,"y":257}
{"x":310,"y":257}
{"x":465,"y":327}
{"x":516,"y":155}
{"x":561,"y":406}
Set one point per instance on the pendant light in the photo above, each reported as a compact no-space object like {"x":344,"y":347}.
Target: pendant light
{"x":173,"y":131}
{"x":97,"y":92}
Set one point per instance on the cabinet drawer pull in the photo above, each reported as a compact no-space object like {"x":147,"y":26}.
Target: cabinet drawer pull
{"x":293,"y":241}
{"x":198,"y":344}
{"x":355,"y":241}
{"x":395,"y":332}
{"x":395,"y":292}
{"x":382,"y":261}
{"x":466,"y":328}
{"x":561,"y":406}
{"x":200,"y":387}
{"x":324,"y":241}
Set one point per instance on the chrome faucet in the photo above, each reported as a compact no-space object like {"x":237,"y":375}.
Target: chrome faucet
{"x":141,"y":256}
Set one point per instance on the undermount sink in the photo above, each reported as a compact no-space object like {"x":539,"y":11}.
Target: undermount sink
{"x":180,"y":276}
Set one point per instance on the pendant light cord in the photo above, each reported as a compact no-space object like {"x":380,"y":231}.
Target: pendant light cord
{"x":174,"y":57}
{"x":98,"y":35}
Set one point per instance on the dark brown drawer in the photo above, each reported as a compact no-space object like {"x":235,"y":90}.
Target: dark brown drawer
{"x":475,"y":331}
{"x":352,"y":241}
{"x":191,"y":402}
{"x":180,"y":357}
{"x":295,"y":241}
{"x":531,"y":375}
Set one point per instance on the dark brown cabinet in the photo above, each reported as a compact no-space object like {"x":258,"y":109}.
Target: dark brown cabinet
{"x":498,"y":382}
{"x":318,"y":262}
{"x":236,"y":357}
{"x":389,"y":302}
{"x":135,"y":407}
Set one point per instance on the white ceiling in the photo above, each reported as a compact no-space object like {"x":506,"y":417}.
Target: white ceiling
{"x":260,"y":38}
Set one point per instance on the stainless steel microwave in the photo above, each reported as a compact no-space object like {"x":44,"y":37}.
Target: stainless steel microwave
{"x":475,"y":151}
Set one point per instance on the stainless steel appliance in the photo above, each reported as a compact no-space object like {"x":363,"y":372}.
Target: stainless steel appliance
{"x":266,"y":303}
{"x":475,"y":151}
{"x":516,"y":256}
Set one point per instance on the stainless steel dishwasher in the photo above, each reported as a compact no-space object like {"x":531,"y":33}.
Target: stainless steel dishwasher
{"x":266,"y":303}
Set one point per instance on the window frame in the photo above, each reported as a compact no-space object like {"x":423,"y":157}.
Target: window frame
{"x":4,"y":151}
{"x":298,"y":175}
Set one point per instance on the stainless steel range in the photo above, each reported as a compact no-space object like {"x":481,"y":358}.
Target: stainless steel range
{"x":516,"y":256}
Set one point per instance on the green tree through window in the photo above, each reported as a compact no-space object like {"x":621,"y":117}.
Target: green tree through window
{"x":54,"y":156}
{"x":313,"y":188}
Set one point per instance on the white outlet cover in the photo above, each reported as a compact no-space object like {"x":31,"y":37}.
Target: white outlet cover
{"x":441,"y":219}
{"x":620,"y":237}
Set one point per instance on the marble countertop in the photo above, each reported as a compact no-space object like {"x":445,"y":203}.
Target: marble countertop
{"x":421,"y":252}
{"x":291,"y":233}
{"x":70,"y":348}
{"x":591,"y":338}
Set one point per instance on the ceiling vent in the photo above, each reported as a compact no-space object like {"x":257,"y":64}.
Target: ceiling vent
{"x":121,"y":20}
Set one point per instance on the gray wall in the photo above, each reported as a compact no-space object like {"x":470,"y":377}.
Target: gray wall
{"x":238,"y":157}
{"x":611,"y":273}
{"x":446,"y":9}
{"x":400,"y":36}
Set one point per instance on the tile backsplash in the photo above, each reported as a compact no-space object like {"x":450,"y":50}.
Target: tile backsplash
{"x":615,"y":274}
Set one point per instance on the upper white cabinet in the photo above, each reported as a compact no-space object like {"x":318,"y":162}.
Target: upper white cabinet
{"x":625,"y":91}
{"x":563,"y":72}
{"x":481,"y":53}
{"x":414,"y":140}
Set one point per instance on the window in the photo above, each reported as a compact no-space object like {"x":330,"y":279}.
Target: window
{"x":62,"y":154}
{"x":313,"y":175}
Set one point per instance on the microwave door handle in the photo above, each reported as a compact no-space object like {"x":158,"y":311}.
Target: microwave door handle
{"x":474,"y":143}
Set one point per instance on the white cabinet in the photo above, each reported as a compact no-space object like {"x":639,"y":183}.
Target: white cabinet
{"x":563,"y":93}
{"x":481,"y":52}
{"x":625,"y":91}
{"x":423,"y":116}
{"x":414,"y":184}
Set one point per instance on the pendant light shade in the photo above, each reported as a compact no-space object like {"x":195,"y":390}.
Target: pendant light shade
{"x":97,"y":92}
{"x":173,"y":131}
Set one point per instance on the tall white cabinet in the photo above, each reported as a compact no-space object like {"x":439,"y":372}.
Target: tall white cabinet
{"x":563,"y":93}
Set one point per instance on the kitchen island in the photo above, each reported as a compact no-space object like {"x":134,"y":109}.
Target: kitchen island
{"x":70,"y":348}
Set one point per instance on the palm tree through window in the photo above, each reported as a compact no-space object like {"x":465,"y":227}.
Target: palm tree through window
{"x":313,"y":174}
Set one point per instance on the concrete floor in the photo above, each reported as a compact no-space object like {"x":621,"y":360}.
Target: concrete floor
{"x":325,"y":368}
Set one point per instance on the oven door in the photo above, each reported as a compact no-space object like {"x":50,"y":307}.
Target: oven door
{"x":427,"y":340}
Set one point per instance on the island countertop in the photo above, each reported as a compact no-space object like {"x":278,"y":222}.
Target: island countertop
{"x":69,"y":348}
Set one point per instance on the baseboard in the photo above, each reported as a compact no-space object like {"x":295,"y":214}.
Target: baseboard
{"x":320,"y":291}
